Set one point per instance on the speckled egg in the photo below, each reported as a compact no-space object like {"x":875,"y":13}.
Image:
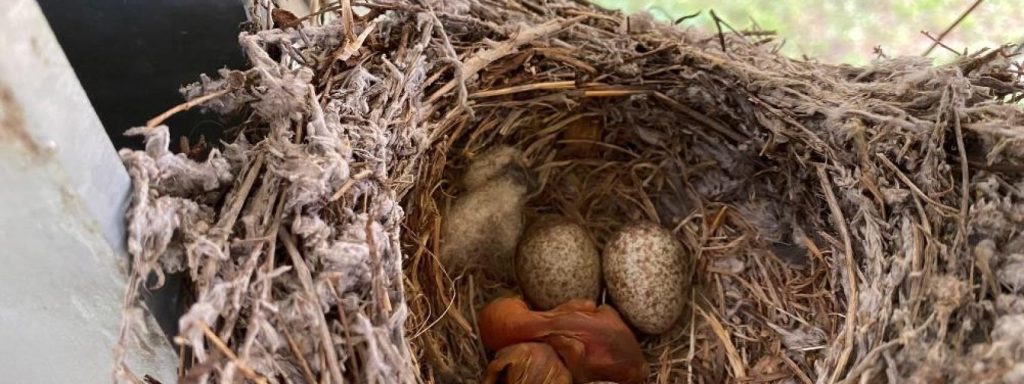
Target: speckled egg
{"x":557,"y":261}
{"x":645,"y":270}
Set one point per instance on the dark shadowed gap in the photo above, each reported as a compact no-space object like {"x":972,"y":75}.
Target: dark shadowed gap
{"x":132,"y":56}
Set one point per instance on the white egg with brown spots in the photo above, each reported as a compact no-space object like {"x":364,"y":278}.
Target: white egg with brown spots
{"x":646,"y":272}
{"x":557,"y":261}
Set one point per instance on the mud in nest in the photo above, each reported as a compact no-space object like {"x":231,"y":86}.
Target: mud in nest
{"x":848,"y":224}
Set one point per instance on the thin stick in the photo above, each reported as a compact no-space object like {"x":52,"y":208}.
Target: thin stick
{"x":913,"y":187}
{"x":550,"y":85}
{"x":236,"y":200}
{"x":306,"y":279}
{"x":692,"y":351}
{"x":348,"y":20}
{"x":713,"y":124}
{"x":730,"y":349}
{"x":869,"y":359}
{"x":612,"y":93}
{"x":936,"y":41}
{"x":965,"y":181}
{"x":294,"y":347}
{"x":796,"y":369}
{"x":718,"y":25}
{"x":152,"y":123}
{"x":851,"y":272}
{"x":349,"y":183}
{"x":217,"y":342}
{"x":687,"y":17}
{"x":949,"y":29}
{"x":477,"y":62}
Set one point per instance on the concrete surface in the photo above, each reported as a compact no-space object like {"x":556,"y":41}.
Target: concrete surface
{"x":62,"y":197}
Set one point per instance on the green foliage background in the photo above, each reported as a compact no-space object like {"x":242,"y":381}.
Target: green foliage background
{"x":848,"y":30}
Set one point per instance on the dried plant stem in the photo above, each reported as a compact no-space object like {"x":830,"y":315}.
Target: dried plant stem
{"x":481,"y":59}
{"x":796,"y":369}
{"x":545,"y":86}
{"x":938,"y":40}
{"x":965,"y":181}
{"x":735,"y":362}
{"x":711,"y":123}
{"x":306,"y":279}
{"x":349,"y":183}
{"x":159,"y":119}
{"x":223,"y":348}
{"x":850,"y":269}
{"x":910,"y":184}
{"x":237,"y":199}
{"x":303,"y":363}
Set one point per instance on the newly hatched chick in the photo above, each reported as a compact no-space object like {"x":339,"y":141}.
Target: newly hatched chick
{"x":593,"y":341}
{"x":484,"y":224}
{"x":527,"y":363}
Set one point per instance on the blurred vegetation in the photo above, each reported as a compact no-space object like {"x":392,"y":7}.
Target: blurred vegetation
{"x":849,"y":30}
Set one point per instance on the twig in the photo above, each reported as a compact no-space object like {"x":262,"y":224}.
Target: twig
{"x":380,"y":292}
{"x":869,"y":359}
{"x":839,"y":220}
{"x":306,"y":279}
{"x":349,"y":183}
{"x":913,"y":187}
{"x":949,"y":29}
{"x":217,"y":342}
{"x":344,"y":323}
{"x":233,"y":207}
{"x":692,"y":350}
{"x":796,"y":369}
{"x":730,"y":349}
{"x":718,"y":25}
{"x":687,"y":17}
{"x":348,"y":20}
{"x":965,"y":181}
{"x":936,"y":41}
{"x":481,"y":59}
{"x":294,"y":347}
{"x":546,"y":86}
{"x":352,"y":46}
{"x":713,"y":124}
{"x":612,"y":92}
{"x":152,"y":123}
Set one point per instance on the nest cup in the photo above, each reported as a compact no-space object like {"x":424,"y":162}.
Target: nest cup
{"x":628,"y":126}
{"x":831,"y":211}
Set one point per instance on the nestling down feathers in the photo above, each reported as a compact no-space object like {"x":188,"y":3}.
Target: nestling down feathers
{"x":484,"y":224}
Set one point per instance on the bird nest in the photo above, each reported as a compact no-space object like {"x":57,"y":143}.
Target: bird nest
{"x":853,"y":224}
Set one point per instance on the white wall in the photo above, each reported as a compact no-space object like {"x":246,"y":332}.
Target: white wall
{"x":62,"y":197}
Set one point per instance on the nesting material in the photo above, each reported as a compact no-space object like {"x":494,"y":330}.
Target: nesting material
{"x":848,"y":224}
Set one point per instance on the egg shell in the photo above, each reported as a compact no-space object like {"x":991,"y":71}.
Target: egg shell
{"x":646,"y":271}
{"x":557,"y":261}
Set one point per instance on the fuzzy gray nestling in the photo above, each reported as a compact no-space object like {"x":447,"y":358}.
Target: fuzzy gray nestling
{"x":484,"y":224}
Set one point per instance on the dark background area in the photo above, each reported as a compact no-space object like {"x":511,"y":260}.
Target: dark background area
{"x":132,"y":56}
